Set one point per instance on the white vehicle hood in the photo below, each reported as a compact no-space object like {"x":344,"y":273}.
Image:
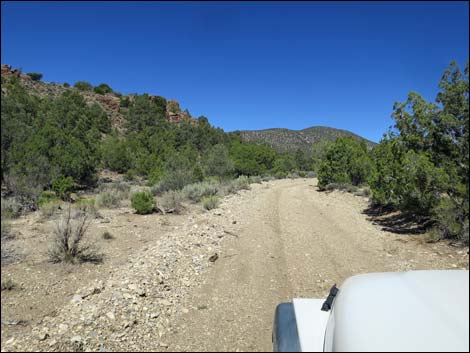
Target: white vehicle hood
{"x":412,"y":311}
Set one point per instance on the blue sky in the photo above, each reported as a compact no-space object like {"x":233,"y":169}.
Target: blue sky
{"x":248,"y":65}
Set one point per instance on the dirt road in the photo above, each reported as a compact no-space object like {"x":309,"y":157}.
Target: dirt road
{"x":295,"y":242}
{"x":280,"y":240}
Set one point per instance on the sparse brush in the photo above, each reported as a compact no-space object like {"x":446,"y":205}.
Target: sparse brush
{"x":49,"y":209}
{"x":242,"y":182}
{"x":210,"y":202}
{"x":87,"y":206}
{"x":6,"y":232}
{"x":67,"y":243}
{"x":11,"y":208}
{"x":171,"y":201}
{"x":8,"y":284}
{"x":293,"y":175}
{"x":195,"y":192}
{"x":337,"y":186}
{"x":364,"y":192}
{"x":434,"y":235}
{"x":158,"y":188}
{"x":122,"y":186}
{"x":351,"y":188}
{"x":311,"y":174}
{"x":46,"y":197}
{"x":107,"y":236}
{"x":267,"y":178}
{"x":227,"y":188}
{"x":233,"y":186}
{"x":111,"y":198}
{"x":255,"y":179}
{"x":8,"y":254}
{"x":280,"y":175}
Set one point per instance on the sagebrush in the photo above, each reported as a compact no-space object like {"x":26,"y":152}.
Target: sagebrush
{"x":68,"y":241}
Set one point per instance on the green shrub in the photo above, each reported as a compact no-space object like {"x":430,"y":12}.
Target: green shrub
{"x":35,"y":76}
{"x":346,"y":161}
{"x":180,"y":170}
{"x":210,"y":202}
{"x":251,"y":158}
{"x":143,"y":202}
{"x":124,"y":101}
{"x":302,"y":174}
{"x":130,"y":175}
{"x":83,"y":86}
{"x":63,"y":186}
{"x":217,"y":162}
{"x":450,"y":222}
{"x":46,"y":197}
{"x":284,"y":164}
{"x":66,"y":84}
{"x":195,"y":192}
{"x":103,"y":89}
{"x":172,"y":201}
{"x":115,"y":153}
{"x":280,"y":175}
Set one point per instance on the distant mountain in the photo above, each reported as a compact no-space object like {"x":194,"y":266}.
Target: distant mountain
{"x":285,"y":140}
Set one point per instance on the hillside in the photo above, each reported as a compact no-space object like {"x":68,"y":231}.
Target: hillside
{"x":285,"y":140}
{"x":114,"y":104}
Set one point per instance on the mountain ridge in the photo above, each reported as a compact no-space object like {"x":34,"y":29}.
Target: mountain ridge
{"x":289,"y":140}
{"x":281,"y":139}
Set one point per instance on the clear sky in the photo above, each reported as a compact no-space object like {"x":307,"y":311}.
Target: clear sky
{"x":248,"y":65}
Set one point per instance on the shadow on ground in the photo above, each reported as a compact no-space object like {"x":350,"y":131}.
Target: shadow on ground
{"x":397,"y":222}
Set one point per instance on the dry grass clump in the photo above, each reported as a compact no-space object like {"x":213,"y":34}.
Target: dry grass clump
{"x":111,"y":198}
{"x":107,"y":236}
{"x":11,"y":207}
{"x":172,"y":202}
{"x":195,"y":192}
{"x":210,"y":202}
{"x":67,"y":245}
{"x":8,"y":284}
{"x":50,"y":209}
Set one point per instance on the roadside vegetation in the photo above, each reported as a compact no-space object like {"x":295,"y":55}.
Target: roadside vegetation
{"x":421,"y":166}
{"x":69,"y":240}
{"x":53,"y":150}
